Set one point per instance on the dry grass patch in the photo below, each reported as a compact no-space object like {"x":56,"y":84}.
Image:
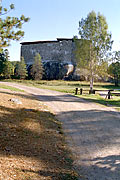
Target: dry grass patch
{"x":32,"y":145}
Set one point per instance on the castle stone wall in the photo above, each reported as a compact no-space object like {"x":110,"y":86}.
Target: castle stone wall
{"x":59,"y":50}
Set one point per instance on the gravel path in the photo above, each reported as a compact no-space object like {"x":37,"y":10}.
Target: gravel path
{"x":92,"y":132}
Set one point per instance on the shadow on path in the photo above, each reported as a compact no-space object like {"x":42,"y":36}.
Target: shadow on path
{"x":95,"y":140}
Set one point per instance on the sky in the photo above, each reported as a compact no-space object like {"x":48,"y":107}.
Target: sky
{"x":51,"y":19}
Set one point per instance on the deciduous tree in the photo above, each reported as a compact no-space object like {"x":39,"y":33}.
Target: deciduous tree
{"x":114,"y":71}
{"x":114,"y":67}
{"x":94,"y":44}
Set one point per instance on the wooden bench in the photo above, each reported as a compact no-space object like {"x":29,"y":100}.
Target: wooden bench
{"x":109,"y":92}
{"x":79,"y":90}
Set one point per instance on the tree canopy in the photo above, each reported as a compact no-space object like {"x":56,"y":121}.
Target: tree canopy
{"x":114,"y":71}
{"x":8,"y":69}
{"x":37,"y":68}
{"x":20,"y":70}
{"x":95,"y":41}
{"x":114,"y":67}
{"x":10,"y":27}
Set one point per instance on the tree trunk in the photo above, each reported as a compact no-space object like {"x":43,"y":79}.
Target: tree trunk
{"x":116,"y":81}
{"x":91,"y":83}
{"x":91,"y":70}
{"x":92,"y":56}
{"x":91,"y":91}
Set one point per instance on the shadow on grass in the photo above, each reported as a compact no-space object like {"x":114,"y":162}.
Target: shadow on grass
{"x":104,"y":101}
{"x":20,"y":137}
{"x":55,"y":176}
{"x":23,"y":95}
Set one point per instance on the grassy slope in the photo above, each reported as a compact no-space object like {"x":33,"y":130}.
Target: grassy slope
{"x":10,"y":88}
{"x":32,"y":144}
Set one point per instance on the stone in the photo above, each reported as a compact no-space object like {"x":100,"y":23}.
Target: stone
{"x":57,"y":56}
{"x":15,"y":100}
{"x":60,"y":50}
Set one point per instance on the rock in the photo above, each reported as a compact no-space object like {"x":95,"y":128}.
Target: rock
{"x":15,"y":100}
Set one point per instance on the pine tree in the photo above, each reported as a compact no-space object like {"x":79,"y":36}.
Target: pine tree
{"x":2,"y":62}
{"x":10,"y":27}
{"x":37,"y":68}
{"x":21,"y":71}
{"x":8,"y":69}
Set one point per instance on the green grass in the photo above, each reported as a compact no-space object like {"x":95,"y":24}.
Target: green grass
{"x":62,"y":86}
{"x":114,"y":101}
{"x":65,"y":86}
{"x":10,"y":88}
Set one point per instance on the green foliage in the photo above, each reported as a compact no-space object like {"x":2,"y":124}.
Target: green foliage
{"x":101,"y":69}
{"x":115,"y":101}
{"x":116,"y":56}
{"x":10,"y":27}
{"x":114,"y":67}
{"x":10,"y":88}
{"x":94,"y":44}
{"x":8,"y":69}
{"x":114,"y":71}
{"x":20,"y":70}
{"x":14,"y":63}
{"x":2,"y":62}
{"x":6,"y":53}
{"x":37,"y":68}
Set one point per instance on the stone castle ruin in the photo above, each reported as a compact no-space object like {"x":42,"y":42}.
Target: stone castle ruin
{"x":57,"y":56}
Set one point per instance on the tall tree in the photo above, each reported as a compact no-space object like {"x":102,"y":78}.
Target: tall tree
{"x":114,"y":67}
{"x":8,"y":69}
{"x":2,"y":62}
{"x":114,"y":71}
{"x":37,"y":68}
{"x":20,"y":70}
{"x":10,"y":27}
{"x":94,"y":44}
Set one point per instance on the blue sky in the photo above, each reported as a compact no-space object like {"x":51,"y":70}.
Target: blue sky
{"x":51,"y":19}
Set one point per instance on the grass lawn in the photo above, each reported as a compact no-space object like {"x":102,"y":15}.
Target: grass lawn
{"x":69,"y":87}
{"x":10,"y":88}
{"x":65,"y":86}
{"x":114,"y":102}
{"x":32,"y":145}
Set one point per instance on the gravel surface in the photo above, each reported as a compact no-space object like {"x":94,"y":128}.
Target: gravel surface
{"x":92,"y":132}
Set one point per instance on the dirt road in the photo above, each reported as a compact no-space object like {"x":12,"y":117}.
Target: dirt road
{"x":92,"y":132}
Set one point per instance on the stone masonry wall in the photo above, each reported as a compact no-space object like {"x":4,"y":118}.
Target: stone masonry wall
{"x":61,"y":51}
{"x":57,"y":56}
